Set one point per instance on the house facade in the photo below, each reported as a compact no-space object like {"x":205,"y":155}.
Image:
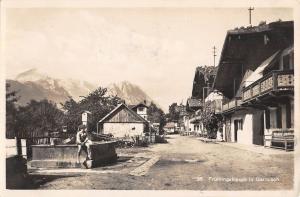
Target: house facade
{"x":141,"y":109}
{"x":123,"y":122}
{"x":170,"y":127}
{"x":202,"y":83}
{"x":213,"y":101}
{"x":193,"y":106}
{"x":256,"y":77}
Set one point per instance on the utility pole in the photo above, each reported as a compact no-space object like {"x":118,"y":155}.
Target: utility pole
{"x":214,"y":54}
{"x":250,"y":10}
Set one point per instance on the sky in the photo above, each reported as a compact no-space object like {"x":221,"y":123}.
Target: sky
{"x":157,"y":49}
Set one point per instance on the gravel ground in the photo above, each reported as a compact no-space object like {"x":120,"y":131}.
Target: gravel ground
{"x":184,"y":163}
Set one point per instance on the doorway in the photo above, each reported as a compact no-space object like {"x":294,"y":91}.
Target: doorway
{"x":235,"y":130}
{"x":258,"y":128}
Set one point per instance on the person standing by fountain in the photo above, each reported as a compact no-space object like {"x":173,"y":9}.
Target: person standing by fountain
{"x":83,"y":142}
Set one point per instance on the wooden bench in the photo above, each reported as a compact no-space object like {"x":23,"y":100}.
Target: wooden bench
{"x":283,"y":139}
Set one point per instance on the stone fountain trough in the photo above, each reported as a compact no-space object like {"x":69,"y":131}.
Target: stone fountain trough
{"x":65,"y":156}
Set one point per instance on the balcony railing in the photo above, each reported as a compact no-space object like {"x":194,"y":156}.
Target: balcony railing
{"x":274,"y":81}
{"x":232,"y":104}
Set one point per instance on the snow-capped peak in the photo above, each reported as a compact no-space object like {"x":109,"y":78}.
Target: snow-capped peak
{"x":31,"y":75}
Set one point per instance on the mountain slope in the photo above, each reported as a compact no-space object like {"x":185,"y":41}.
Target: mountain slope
{"x":132,"y":94}
{"x":28,"y":90}
{"x":53,"y":88}
{"x":33,"y":84}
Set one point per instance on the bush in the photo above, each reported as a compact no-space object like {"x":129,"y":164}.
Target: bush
{"x":124,"y":144}
{"x":144,"y":143}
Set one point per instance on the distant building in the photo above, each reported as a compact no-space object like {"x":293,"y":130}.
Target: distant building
{"x":202,"y":83}
{"x":170,"y":127}
{"x":140,"y":109}
{"x":123,"y":122}
{"x":182,"y":117}
{"x":213,"y":102}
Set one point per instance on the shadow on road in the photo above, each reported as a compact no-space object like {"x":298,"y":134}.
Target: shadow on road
{"x":123,"y":158}
{"x":168,"y":162}
{"x":36,"y":181}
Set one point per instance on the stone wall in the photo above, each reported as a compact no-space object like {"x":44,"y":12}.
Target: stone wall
{"x":123,"y":129}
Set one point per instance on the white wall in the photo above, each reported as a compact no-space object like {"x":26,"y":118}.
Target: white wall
{"x":123,"y":129}
{"x":244,"y":136}
{"x":191,"y":126}
{"x":141,"y":110}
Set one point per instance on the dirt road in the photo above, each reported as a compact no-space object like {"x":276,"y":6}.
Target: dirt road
{"x":184,"y":163}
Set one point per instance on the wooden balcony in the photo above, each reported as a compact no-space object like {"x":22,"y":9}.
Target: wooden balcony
{"x":278,"y":80}
{"x":231,"y":105}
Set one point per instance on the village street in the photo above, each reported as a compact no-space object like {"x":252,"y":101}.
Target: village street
{"x":183,"y":163}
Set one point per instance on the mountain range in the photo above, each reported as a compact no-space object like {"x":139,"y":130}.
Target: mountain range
{"x":32,"y":84}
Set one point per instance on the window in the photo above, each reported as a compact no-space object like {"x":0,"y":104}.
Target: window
{"x":140,"y":109}
{"x":240,"y":124}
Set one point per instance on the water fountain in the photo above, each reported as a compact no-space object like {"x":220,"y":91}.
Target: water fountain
{"x":64,"y":155}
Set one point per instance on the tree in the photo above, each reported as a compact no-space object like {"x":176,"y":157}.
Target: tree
{"x":173,"y":112}
{"x":155,"y":114}
{"x":97,"y":102}
{"x":72,"y":116}
{"x":39,"y":118}
{"x":211,"y":122}
{"x":11,"y":112}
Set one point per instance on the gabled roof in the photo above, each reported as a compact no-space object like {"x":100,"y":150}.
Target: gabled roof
{"x":139,"y":105}
{"x":244,"y":49}
{"x":170,"y":125}
{"x":115,"y":110}
{"x":131,"y":106}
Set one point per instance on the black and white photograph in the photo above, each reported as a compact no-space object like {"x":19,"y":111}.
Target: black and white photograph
{"x":158,"y":96}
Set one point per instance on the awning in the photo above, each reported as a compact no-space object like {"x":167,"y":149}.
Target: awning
{"x":258,"y":73}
